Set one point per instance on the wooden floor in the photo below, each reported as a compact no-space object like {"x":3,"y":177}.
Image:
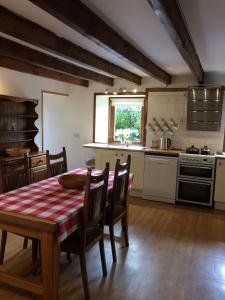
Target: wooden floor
{"x":175,"y":253}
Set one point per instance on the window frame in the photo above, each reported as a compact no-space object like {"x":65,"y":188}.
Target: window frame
{"x":111,"y":125}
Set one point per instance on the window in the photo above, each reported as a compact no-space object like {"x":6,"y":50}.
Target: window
{"x":127,"y":120}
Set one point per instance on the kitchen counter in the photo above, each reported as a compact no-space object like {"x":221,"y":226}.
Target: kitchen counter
{"x":146,"y":150}
{"x":222,"y":155}
{"x":115,"y":147}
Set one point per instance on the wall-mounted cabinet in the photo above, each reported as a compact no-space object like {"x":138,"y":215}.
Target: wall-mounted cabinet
{"x":204,"y":109}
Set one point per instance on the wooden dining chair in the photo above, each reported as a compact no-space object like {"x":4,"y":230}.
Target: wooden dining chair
{"x":118,"y":204}
{"x":14,"y":174}
{"x":56,"y":163}
{"x":92,"y":228}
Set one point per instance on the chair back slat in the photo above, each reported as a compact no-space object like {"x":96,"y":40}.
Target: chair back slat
{"x":121,"y":184}
{"x":56,"y":163}
{"x":94,"y":201}
{"x":14,"y":174}
{"x":120,"y":188}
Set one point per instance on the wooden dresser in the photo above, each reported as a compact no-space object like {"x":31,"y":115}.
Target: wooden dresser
{"x":37,"y":166}
{"x":18,"y":130}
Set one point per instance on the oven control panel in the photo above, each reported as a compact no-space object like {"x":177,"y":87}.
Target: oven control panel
{"x":197,"y":158}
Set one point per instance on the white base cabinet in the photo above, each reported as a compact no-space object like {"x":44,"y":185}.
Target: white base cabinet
{"x":137,"y":165}
{"x":219,"y":193}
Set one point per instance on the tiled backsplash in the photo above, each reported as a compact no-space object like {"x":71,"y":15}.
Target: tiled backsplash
{"x":174,"y":105}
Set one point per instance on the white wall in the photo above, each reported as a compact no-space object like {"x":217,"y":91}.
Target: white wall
{"x":102,"y":119}
{"x":18,"y":84}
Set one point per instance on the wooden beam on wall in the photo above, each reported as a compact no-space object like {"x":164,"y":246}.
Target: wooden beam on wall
{"x":30,"y":32}
{"x":174,"y":23}
{"x":80,"y":18}
{"x":14,"y":50}
{"x":14,"y":64}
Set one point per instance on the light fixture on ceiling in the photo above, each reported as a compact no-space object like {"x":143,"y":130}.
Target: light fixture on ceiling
{"x":120,"y":91}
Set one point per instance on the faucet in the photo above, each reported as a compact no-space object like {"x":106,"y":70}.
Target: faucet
{"x":126,"y":143}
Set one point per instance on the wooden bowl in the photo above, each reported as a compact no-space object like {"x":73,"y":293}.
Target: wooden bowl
{"x":13,"y":152}
{"x":72,"y":181}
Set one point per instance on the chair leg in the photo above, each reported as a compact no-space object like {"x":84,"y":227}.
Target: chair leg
{"x":25,"y":243}
{"x":34,"y":250}
{"x":112,"y":239}
{"x":68,"y":257}
{"x":84,"y":275}
{"x":102,"y":253}
{"x":125,"y":230}
{"x":3,"y":244}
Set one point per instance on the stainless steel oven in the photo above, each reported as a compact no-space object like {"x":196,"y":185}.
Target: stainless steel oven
{"x":196,"y":171}
{"x":195,"y":179}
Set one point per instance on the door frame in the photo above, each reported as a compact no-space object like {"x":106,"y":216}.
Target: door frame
{"x":42,"y":112}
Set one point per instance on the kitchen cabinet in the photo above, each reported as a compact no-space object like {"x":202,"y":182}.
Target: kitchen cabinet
{"x":38,"y":174}
{"x":219,"y":193}
{"x":38,"y":168}
{"x":137,"y":165}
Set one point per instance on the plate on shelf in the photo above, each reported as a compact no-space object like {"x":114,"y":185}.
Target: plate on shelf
{"x":13,"y":152}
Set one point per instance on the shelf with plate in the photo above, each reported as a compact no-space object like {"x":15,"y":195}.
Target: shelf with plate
{"x":18,"y":130}
{"x":17,"y":123}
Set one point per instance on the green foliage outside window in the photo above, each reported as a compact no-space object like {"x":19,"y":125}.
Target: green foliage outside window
{"x":128,"y":122}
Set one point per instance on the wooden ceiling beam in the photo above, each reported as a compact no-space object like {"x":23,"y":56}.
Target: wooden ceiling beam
{"x":16,"y":65}
{"x":30,"y":32}
{"x":80,"y":18}
{"x":175,"y":24}
{"x":22,"y":53}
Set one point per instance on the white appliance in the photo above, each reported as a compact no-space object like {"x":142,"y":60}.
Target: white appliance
{"x":160,"y":178}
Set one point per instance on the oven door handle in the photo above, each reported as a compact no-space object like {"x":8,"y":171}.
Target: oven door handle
{"x":195,"y":182}
{"x":196,"y":167}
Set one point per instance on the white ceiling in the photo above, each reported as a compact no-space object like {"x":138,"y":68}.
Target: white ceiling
{"x":206,"y":22}
{"x":136,"y":22}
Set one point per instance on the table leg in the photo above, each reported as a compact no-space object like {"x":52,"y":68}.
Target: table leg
{"x":50,"y":265}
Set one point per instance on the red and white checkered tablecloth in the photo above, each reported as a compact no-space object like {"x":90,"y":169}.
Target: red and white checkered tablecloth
{"x":48,"y":200}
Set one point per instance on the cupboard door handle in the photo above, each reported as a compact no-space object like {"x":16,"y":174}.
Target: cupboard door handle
{"x":116,"y":154}
{"x":122,"y":154}
{"x":220,"y":164}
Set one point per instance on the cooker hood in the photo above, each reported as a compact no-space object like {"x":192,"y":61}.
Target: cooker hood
{"x":204,"y":109}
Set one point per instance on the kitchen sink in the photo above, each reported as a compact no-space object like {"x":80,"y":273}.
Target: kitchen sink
{"x":121,"y":146}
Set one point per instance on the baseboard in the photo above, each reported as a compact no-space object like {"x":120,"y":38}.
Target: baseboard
{"x":219,"y":205}
{"x":158,"y":199}
{"x":136,"y":193}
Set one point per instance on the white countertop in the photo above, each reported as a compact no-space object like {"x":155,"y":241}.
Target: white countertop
{"x":115,"y":146}
{"x":137,"y":148}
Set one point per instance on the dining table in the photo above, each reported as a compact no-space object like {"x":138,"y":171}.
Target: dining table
{"x":50,"y":213}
